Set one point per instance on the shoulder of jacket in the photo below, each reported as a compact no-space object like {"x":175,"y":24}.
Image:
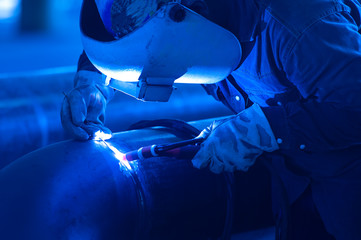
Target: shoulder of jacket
{"x":298,"y":15}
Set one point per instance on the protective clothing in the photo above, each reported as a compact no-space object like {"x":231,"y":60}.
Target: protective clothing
{"x":83,"y":109}
{"x":235,"y":143}
{"x":303,"y":70}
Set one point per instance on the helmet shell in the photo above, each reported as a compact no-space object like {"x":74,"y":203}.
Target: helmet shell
{"x":191,"y":49}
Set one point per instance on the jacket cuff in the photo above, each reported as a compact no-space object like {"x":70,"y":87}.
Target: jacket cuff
{"x":85,"y":77}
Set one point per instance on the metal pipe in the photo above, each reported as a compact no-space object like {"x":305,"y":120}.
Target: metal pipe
{"x":80,"y":190}
{"x":30,"y":109}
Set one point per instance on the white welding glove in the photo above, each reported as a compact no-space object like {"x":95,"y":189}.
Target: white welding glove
{"x":235,"y":143}
{"x":83,"y":109}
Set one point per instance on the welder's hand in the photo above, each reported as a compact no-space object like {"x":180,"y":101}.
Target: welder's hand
{"x":83,"y":109}
{"x":236,"y":142}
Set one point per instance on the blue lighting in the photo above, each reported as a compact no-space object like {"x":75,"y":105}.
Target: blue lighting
{"x":119,"y":155}
{"x":8,"y":8}
{"x":101,"y":137}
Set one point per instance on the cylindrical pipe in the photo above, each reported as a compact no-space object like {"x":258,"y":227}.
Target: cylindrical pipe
{"x":80,"y":190}
{"x":30,"y":110}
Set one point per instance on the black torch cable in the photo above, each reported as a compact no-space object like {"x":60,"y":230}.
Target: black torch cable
{"x":166,"y":147}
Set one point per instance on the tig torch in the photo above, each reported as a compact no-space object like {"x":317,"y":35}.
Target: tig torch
{"x":183,"y":149}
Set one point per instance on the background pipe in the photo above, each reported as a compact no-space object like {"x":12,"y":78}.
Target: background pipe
{"x":30,"y":109}
{"x":80,"y":190}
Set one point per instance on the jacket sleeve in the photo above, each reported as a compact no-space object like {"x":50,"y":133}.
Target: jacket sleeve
{"x":324,"y":65}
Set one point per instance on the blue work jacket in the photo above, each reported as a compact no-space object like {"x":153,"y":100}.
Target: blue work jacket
{"x":302,"y":65}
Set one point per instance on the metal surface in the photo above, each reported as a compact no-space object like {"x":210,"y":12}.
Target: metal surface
{"x":30,"y":110}
{"x":80,"y":190}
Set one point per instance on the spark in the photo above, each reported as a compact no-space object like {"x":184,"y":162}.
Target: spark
{"x":101,"y":136}
{"x":120,"y":156}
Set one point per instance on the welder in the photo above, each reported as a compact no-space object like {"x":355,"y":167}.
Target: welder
{"x":295,"y":92}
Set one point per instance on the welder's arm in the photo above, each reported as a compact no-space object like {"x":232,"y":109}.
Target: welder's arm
{"x":326,"y":70}
{"x":83,"y":109}
{"x":236,"y":142}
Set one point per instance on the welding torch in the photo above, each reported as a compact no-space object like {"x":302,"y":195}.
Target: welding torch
{"x":183,"y":149}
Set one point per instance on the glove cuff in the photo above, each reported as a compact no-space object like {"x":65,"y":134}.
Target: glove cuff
{"x":260,"y":132}
{"x":86,"y":78}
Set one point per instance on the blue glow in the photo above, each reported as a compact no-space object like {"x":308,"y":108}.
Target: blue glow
{"x":8,"y":8}
{"x":120,"y":156}
{"x":127,"y":75}
{"x":117,"y":153}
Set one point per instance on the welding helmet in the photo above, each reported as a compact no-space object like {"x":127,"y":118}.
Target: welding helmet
{"x":144,"y":46}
